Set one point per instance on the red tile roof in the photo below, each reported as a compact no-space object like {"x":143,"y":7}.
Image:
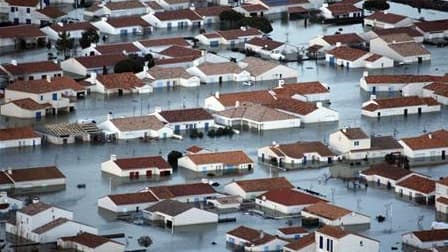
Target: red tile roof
{"x":410,"y":31}
{"x":171,"y":191}
{"x":21,"y":31}
{"x":327,"y":211}
{"x":293,"y":105}
{"x":36,"y":173}
{"x":212,"y":11}
{"x":293,"y":230}
{"x":387,"y":171}
{"x":117,"y":48}
{"x":186,"y":115}
{"x":302,"y":242}
{"x":194,"y":149}
{"x":123,"y":5}
{"x":5,"y":180}
{"x":433,"y":140}
{"x":373,"y":58}
{"x":99,"y":61}
{"x":52,"y":12}
{"x":347,"y":53}
{"x":237,"y":33}
{"x":290,"y":197}
{"x":142,"y":162}
{"x":120,"y":80}
{"x":335,"y":232}
{"x":399,"y":79}
{"x":258,"y":96}
{"x":398,"y":102}
{"x":43,"y":86}
{"x":251,"y":235}
{"x":180,"y":51}
{"x":17,"y":133}
{"x":264,"y":184}
{"x":433,"y":26}
{"x":385,"y":17}
{"x":35,"y":208}
{"x":128,"y":21}
{"x":439,"y":88}
{"x":226,"y":157}
{"x":342,"y":8}
{"x":32,"y":67}
{"x":132,"y":198}
{"x":30,"y":104}
{"x":178,"y":15}
{"x":29,"y":3}
{"x":88,"y":240}
{"x":267,"y":44}
{"x":419,"y":184}
{"x":432,"y":235}
{"x":79,"y":26}
{"x":254,"y":7}
{"x":297,"y":150}
{"x":164,"y":42}
{"x":302,"y":88}
{"x":344,"y":39}
{"x":442,"y":200}
{"x":297,"y":9}
{"x":354,"y":133}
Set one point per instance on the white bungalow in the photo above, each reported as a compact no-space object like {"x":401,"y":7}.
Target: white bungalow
{"x":127,"y":202}
{"x":123,"y":26}
{"x":405,"y":105}
{"x":386,"y":20}
{"x":134,"y":167}
{"x":85,"y":65}
{"x":18,"y":137}
{"x":250,"y":189}
{"x":343,"y":39}
{"x":35,"y":177}
{"x":438,"y":91}
{"x":312,"y":91}
{"x":250,"y":239}
{"x":340,"y":11}
{"x":429,"y":145}
{"x":417,"y":187}
{"x":22,"y":12}
{"x":30,"y":70}
{"x":186,"y":119}
{"x":75,"y":29}
{"x":216,"y":161}
{"x":269,"y":48}
{"x":219,"y":72}
{"x":173,"y":213}
{"x":337,"y":239}
{"x":333,"y":215}
{"x":356,"y":58}
{"x":175,"y":18}
{"x":89,"y":242}
{"x":265,"y":70}
{"x":385,"y":174}
{"x":425,"y":239}
{"x":433,"y":29}
{"x":136,"y":127}
{"x":187,"y":193}
{"x":117,"y":83}
{"x":307,"y":112}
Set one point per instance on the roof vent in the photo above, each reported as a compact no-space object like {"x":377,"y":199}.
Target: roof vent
{"x":35,"y":200}
{"x":344,"y":130}
{"x":9,"y":171}
{"x":217,"y":94}
{"x":430,"y":136}
{"x":113,"y":157}
{"x":338,"y":44}
{"x":14,"y":62}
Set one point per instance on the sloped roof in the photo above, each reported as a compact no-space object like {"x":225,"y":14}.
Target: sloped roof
{"x":418,"y":183}
{"x":179,"y":190}
{"x":21,"y":31}
{"x":327,"y":211}
{"x":32,"y":67}
{"x":297,"y":150}
{"x":177,"y":15}
{"x":255,"y":112}
{"x":290,"y":197}
{"x":186,"y":115}
{"x":170,"y":207}
{"x":17,"y":133}
{"x":142,"y":162}
{"x":435,"y":139}
{"x":264,"y":184}
{"x":398,"y":102}
{"x":43,"y":86}
{"x":88,"y":240}
{"x":132,"y":198}
{"x":120,"y":80}
{"x":138,"y":123}
{"x":387,"y":171}
{"x":343,"y":38}
{"x":386,"y":17}
{"x":225,"y":157}
{"x":347,"y":53}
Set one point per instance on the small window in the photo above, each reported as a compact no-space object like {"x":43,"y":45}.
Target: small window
{"x":361,"y":244}
{"x":28,"y":10}
{"x":13,"y":9}
{"x":28,"y":21}
{"x":356,"y":143}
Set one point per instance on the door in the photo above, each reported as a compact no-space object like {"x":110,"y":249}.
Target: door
{"x":55,"y":96}
{"x":405,"y":112}
{"x":330,"y":160}
{"x":249,"y":167}
{"x":373,"y":90}
{"x":38,"y":115}
{"x":443,"y":155}
{"x":120,"y":92}
{"x":148,"y":173}
{"x":220,"y":80}
{"x":177,"y":129}
{"x":419,"y":111}
{"x":206,"y":126}
{"x":420,"y":60}
{"x":332,"y":60}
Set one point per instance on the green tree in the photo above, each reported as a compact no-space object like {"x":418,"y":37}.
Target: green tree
{"x":129,"y":65}
{"x":375,"y":5}
{"x":173,"y":156}
{"x":230,"y":18}
{"x":260,"y":23}
{"x":88,"y":37}
{"x":64,"y":43}
{"x":150,"y":59}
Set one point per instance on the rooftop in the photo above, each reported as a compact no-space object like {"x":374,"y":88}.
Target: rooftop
{"x":290,"y":197}
{"x":160,"y":73}
{"x":264,"y":184}
{"x":88,"y":240}
{"x":142,"y":162}
{"x":99,"y":61}
{"x":52,"y":12}
{"x":327,"y":211}
{"x":138,"y":123}
{"x":132,"y":198}
{"x":251,"y":235}
{"x":186,"y":115}
{"x":298,"y":149}
{"x":347,"y":53}
{"x":302,"y":88}
{"x":354,"y":133}
{"x":180,"y":51}
{"x":237,"y":33}
{"x":387,"y":171}
{"x":36,"y":173}
{"x":44,"y":86}
{"x":120,"y":80}
{"x":123,"y":5}
{"x":17,"y":133}
{"x":386,"y":17}
{"x":169,"y":207}
{"x":32,"y":67}
{"x":267,"y":44}
{"x":35,"y":208}
{"x":418,"y":183}
{"x":432,"y":235}
{"x":219,"y":68}
{"x":79,"y":26}
{"x":293,"y":230}
{"x":128,"y":47}
{"x":257,"y":96}
{"x":433,"y":26}
{"x":50,"y":225}
{"x":126,"y":21}
{"x":293,"y":105}
{"x":226,"y":157}
{"x":21,"y":31}
{"x":343,"y":38}
{"x":409,"y":49}
{"x":302,"y":242}
{"x":256,"y":66}
{"x":255,"y":112}
{"x":398,"y":102}
{"x":253,"y":7}
{"x":164,"y":42}
{"x":178,"y":15}
{"x":342,"y":8}
{"x":436,"y":139}
{"x":401,"y":79}
{"x":179,"y":190}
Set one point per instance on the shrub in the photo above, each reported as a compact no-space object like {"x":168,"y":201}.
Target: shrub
{"x":211,"y":133}
{"x":375,"y":5}
{"x":172,"y":157}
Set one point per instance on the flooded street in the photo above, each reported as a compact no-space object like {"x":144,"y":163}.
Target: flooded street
{"x":81,"y":162}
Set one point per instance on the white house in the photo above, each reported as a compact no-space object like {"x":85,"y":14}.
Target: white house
{"x":85,"y":65}
{"x":385,"y":174}
{"x":216,"y":161}
{"x":173,"y":19}
{"x":430,"y":145}
{"x":158,"y":45}
{"x":173,"y":213}
{"x":230,"y":38}
{"x":292,"y":232}
{"x":25,"y":108}
{"x":405,"y":105}
{"x":48,"y":15}
{"x":286,"y":201}
{"x":356,"y":58}
{"x":220,"y":102}
{"x":22,"y":12}
{"x":125,"y":8}
{"x":250,"y":239}
{"x":188,"y":193}
{"x":249,"y":189}
{"x":347,"y":140}
{"x":438,"y":91}
{"x":433,"y":29}
{"x":40,"y":222}
{"x":29,"y":35}
{"x":417,"y":187}
{"x":386,"y":20}
{"x":299,"y":153}
{"x":343,"y":39}
{"x":400,"y":47}
{"x":35,"y":177}
{"x":88,"y":242}
{"x":219,"y":72}
{"x":171,"y":76}
{"x":117,"y":83}
{"x":407,"y":84}
{"x":340,"y":11}
{"x":442,"y":196}
{"x":265,"y":70}
{"x":425,"y":239}
{"x":186,"y":119}
{"x":123,"y":26}
{"x":336,"y":239}
{"x":136,"y":127}
{"x":134,"y":167}
{"x":304,"y":244}
{"x":269,"y":48}
{"x":126,"y":48}
{"x":75,"y":29}
{"x":31,"y":70}
{"x":333,"y":215}
{"x":18,"y":137}
{"x":127,"y":202}
{"x":312,"y":91}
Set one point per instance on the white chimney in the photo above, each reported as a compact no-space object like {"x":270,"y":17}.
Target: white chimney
{"x":394,"y":41}
{"x":217,"y":94}
{"x":274,"y":143}
{"x":386,"y":12}
{"x":280,"y":83}
{"x":372,"y":97}
{"x":48,"y":79}
{"x":124,"y":52}
{"x":60,"y":24}
{"x":192,"y":7}
{"x":14,"y":62}
{"x":243,"y":28}
{"x":365,"y":73}
{"x":9,"y":171}
{"x":338,"y":44}
{"x":93,"y":75}
{"x":344,"y":130}
{"x":325,"y":5}
{"x":263,"y":198}
{"x":204,"y":181}
{"x":319,"y":104}
{"x":158,"y":109}
{"x":109,"y":116}
{"x":237,"y":104}
{"x":113,"y":157}
{"x":35,"y":200}
{"x":261,"y":234}
{"x":430,"y":136}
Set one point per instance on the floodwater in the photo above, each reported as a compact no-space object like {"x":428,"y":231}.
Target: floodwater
{"x":81,"y":162}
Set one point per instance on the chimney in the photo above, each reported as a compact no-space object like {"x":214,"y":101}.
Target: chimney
{"x":60,"y":24}
{"x":93,"y":75}
{"x":48,"y":78}
{"x":263,"y":198}
{"x":365,"y":73}
{"x":338,"y":44}
{"x":237,"y":104}
{"x":14,"y":62}
{"x":35,"y":200}
{"x":325,"y":5}
{"x":109,"y":116}
{"x":192,"y":7}
{"x":9,"y":170}
{"x":113,"y":157}
{"x":394,"y":41}
{"x":158,"y":109}
{"x":217,"y":94}
{"x":280,"y":83}
{"x":344,"y":130}
{"x":430,"y":136}
{"x":386,"y":12}
{"x":274,"y":143}
{"x":319,"y":104}
{"x":372,"y":97}
{"x":243,"y":28}
{"x":124,"y":52}
{"x":261,"y":234}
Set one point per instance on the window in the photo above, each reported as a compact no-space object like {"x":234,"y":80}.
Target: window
{"x":28,"y":21}
{"x":41,"y":97}
{"x":28,"y":10}
{"x":361,"y":244}
{"x":44,"y":76}
{"x":356,"y":143}
{"x":328,"y":244}
{"x":12,"y":9}
{"x":321,"y":242}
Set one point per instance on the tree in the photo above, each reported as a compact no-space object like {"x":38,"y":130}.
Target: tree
{"x":260,"y":23}
{"x":145,"y":241}
{"x":375,"y":5}
{"x":128,"y":65}
{"x":88,"y":37}
{"x":230,"y":18}
{"x":150,"y":59}
{"x":64,"y":43}
{"x":173,"y":156}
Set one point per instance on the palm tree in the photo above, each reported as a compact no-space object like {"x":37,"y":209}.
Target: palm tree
{"x":64,"y":43}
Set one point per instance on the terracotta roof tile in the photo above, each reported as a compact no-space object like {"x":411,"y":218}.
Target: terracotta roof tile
{"x":164,"y":42}
{"x":219,"y":68}
{"x":171,"y":191}
{"x":302,"y":88}
{"x":442,"y":200}
{"x":117,"y":48}
{"x":180,"y":51}
{"x":133,"y":198}
{"x":297,"y":150}
{"x":256,"y":66}
{"x":212,"y":10}
{"x":30,"y":3}
{"x":36,"y":173}
{"x":237,"y":33}
{"x":347,"y":53}
{"x":289,"y":197}
{"x":399,"y":79}
{"x":30,"y":104}
{"x":409,"y":49}
{"x":251,"y":235}
{"x":439,"y":88}
{"x":254,"y":7}
{"x":5,"y":180}
{"x":344,"y":39}
{"x":436,"y":139}
{"x":142,"y":162}
{"x":120,"y":80}
{"x":418,"y":183}
{"x":154,"y":5}
{"x":194,"y":149}
{"x":387,"y":171}
{"x":225,"y":157}
{"x":177,"y":15}
{"x":258,"y":96}
{"x":32,"y":67}
{"x":354,"y":133}
{"x":264,"y":184}
{"x":35,"y":208}
{"x":255,"y":112}
{"x":267,"y":44}
{"x":373,"y":57}
{"x":327,"y":211}
{"x":293,"y":230}
{"x":21,"y":31}
{"x":17,"y":133}
{"x":88,"y":240}
{"x":385,"y":17}
{"x":302,"y":242}
{"x":123,"y":5}
{"x":43,"y":86}
{"x":432,"y":235}
{"x":169,"y":207}
{"x":293,"y":105}
{"x":335,"y":232}
{"x":99,"y":61}
{"x":186,"y":115}
{"x":138,"y":123}
{"x":52,"y":12}
{"x":79,"y":26}
{"x":342,"y":8}
{"x":398,"y":102}
{"x":50,"y":225}
{"x":297,"y":9}
{"x":411,"y":31}
{"x":433,"y":26}
{"x":176,"y":60}
{"x":160,"y":73}
{"x":128,"y":21}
